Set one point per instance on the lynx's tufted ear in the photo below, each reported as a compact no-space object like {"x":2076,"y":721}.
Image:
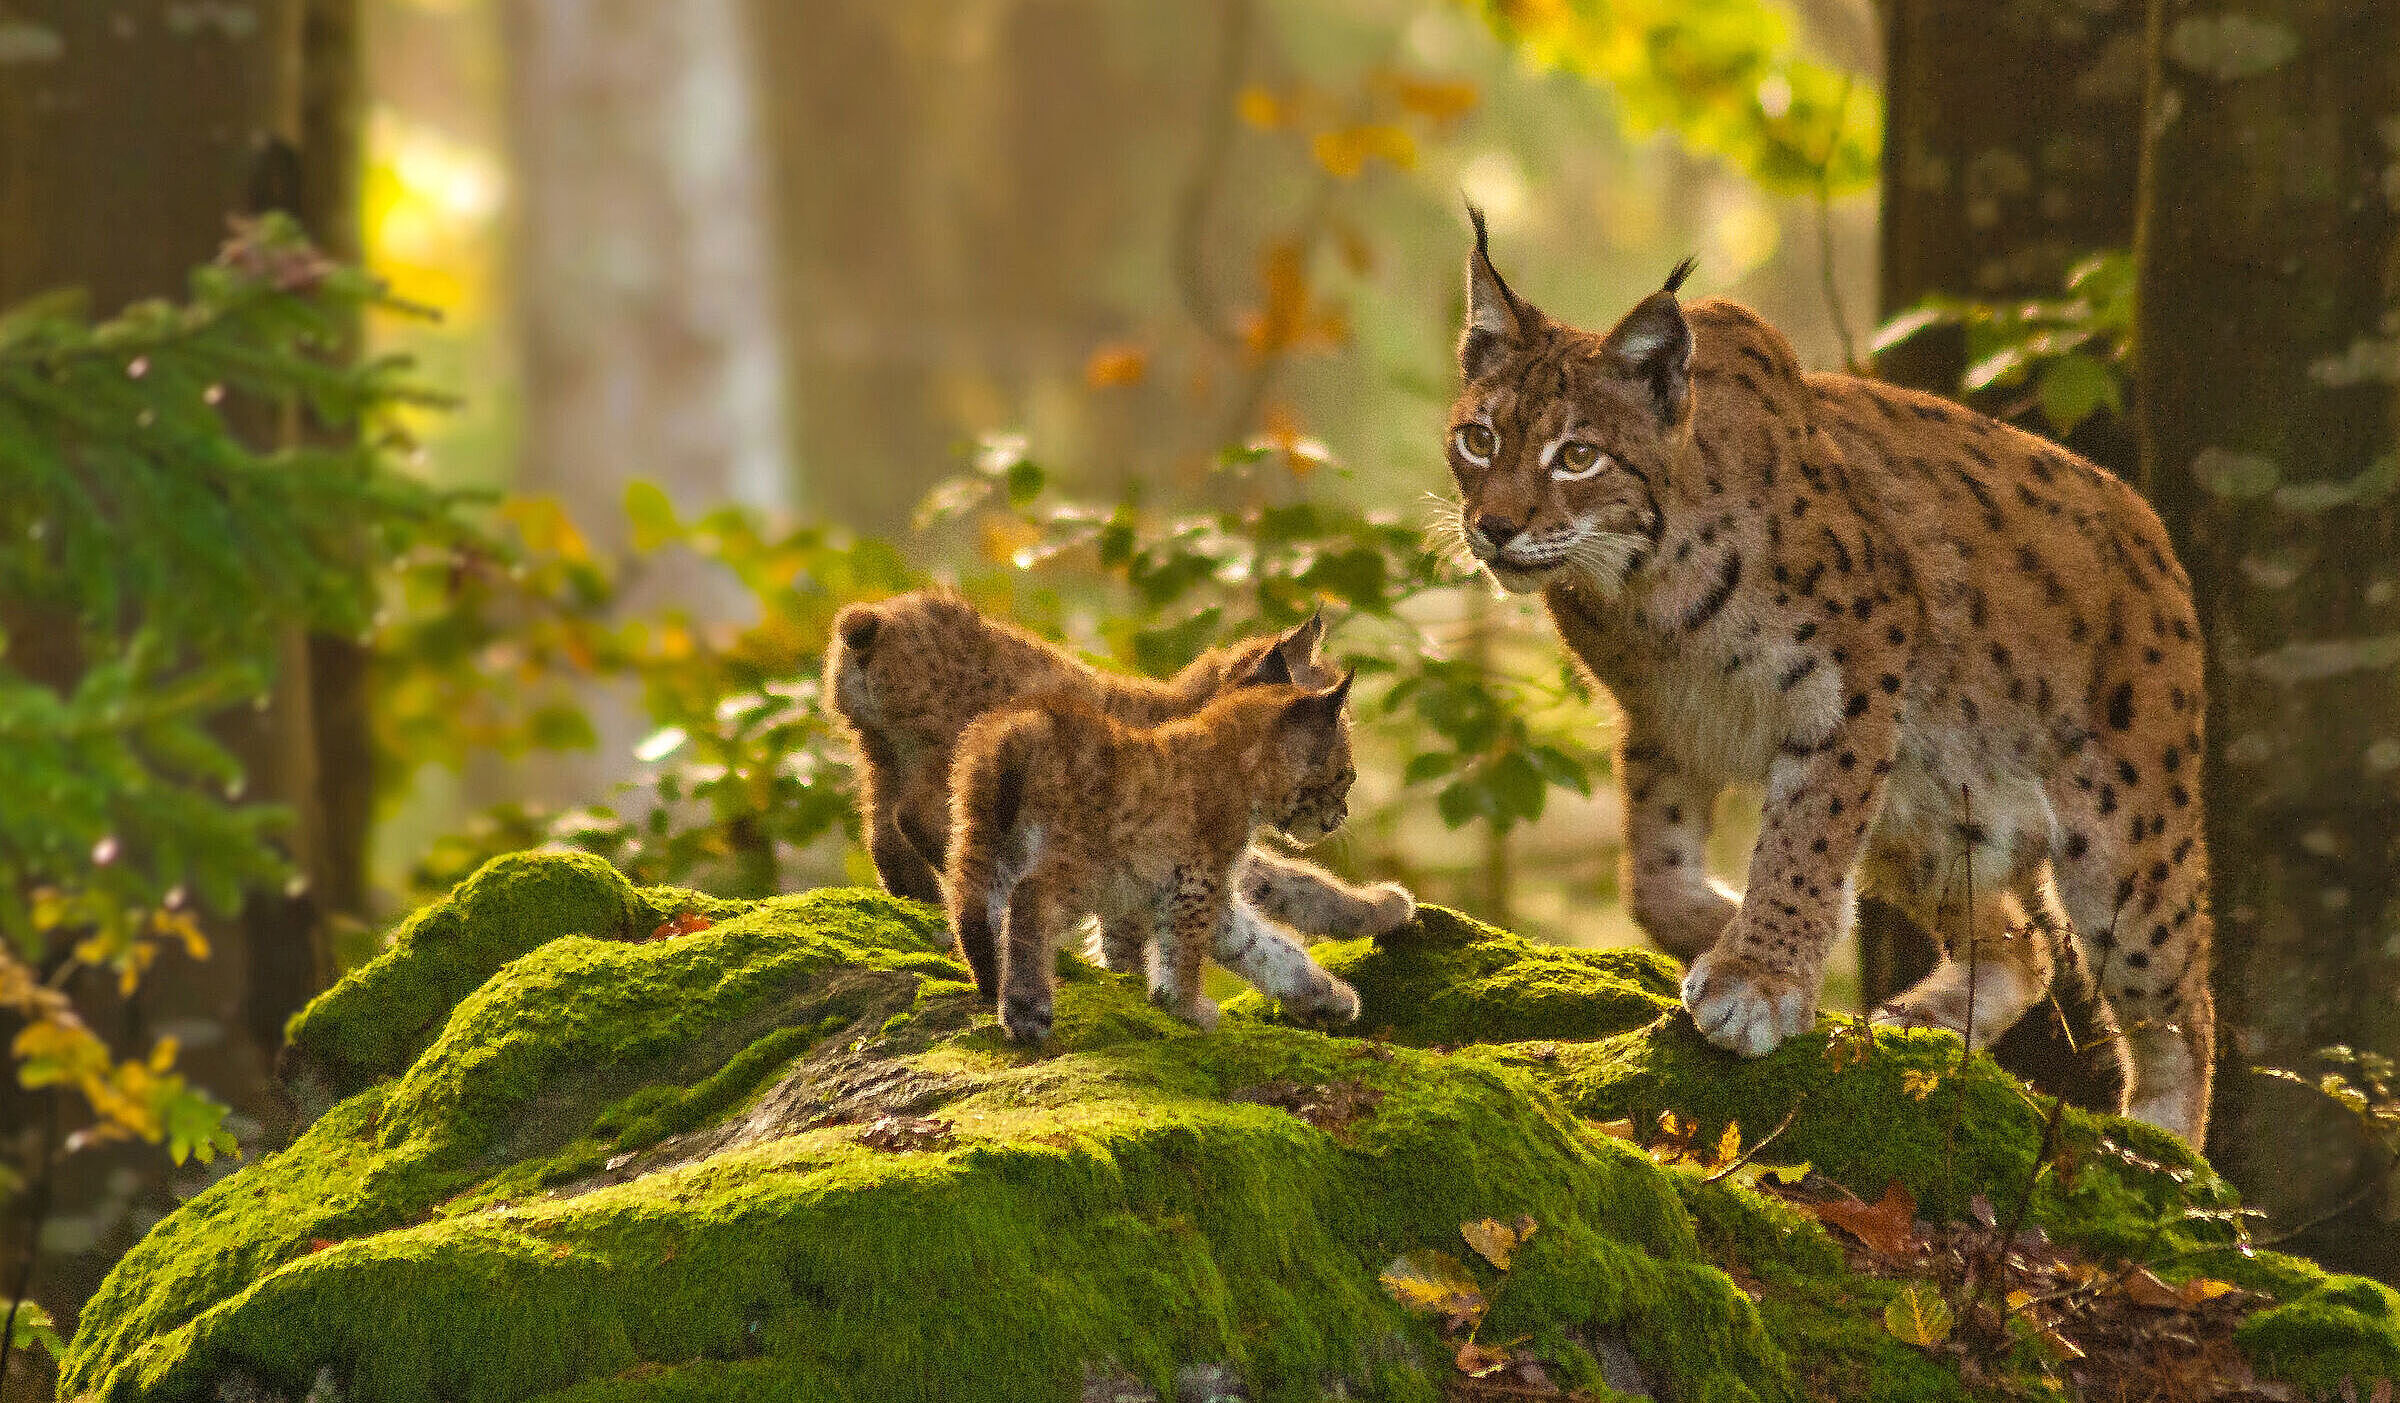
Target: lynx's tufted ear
{"x":1498,"y":323}
{"x":1271,"y":670}
{"x":1299,"y":646}
{"x":1653,"y":345}
{"x":1318,"y":711}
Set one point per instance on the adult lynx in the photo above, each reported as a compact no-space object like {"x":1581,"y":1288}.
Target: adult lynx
{"x":1961,"y":660}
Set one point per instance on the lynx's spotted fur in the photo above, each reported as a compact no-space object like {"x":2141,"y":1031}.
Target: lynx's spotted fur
{"x":1059,"y":809}
{"x":908,"y":674}
{"x":1958,"y":658}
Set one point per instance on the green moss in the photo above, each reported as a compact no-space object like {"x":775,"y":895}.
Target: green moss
{"x":633,"y":1171}
{"x":2342,"y":1328}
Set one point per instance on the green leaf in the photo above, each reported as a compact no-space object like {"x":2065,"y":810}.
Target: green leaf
{"x":1462,"y":802}
{"x":652,"y":515}
{"x":2073,"y":386}
{"x":1561,"y":769}
{"x":1025,"y":481}
{"x":1431,"y":764}
{"x":1518,"y":788}
{"x":1918,"y":1316}
{"x":35,"y":1328}
{"x":1162,"y":651}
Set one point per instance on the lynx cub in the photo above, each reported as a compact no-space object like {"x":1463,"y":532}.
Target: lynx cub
{"x":908,"y":674}
{"x":1958,"y":658}
{"x":1059,"y":809}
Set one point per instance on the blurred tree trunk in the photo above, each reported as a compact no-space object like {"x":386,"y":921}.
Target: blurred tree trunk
{"x":2269,"y":346}
{"x":2012,"y":141}
{"x":129,"y":133}
{"x":646,"y":287}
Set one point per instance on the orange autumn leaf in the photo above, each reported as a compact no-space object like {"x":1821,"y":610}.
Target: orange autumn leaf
{"x":1888,"y":1225}
{"x":1480,"y":1361}
{"x":1259,"y":108}
{"x":1116,"y":364}
{"x":1436,"y":100}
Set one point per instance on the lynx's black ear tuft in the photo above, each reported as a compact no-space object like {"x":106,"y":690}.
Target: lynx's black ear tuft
{"x":1675,"y":279}
{"x":1499,"y":323}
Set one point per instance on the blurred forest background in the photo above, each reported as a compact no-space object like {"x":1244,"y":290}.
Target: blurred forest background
{"x":680,"y":326}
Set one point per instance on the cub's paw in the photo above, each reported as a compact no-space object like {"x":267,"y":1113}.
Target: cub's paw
{"x":1949,"y":1001}
{"x":1200,"y":1011}
{"x":1389,"y":907}
{"x":1743,"y":1006}
{"x":1325,"y":1001}
{"x":1026,"y":1017}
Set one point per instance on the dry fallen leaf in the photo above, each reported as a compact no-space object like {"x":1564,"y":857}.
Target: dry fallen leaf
{"x":1729,"y":1145}
{"x":681,"y":923}
{"x":1432,"y":1282}
{"x":1887,"y":1225}
{"x":1480,"y":1361}
{"x":1494,"y":1240}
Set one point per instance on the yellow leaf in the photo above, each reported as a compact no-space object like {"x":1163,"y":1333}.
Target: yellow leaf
{"x":1729,"y":1145}
{"x":162,"y":1056}
{"x":1259,"y":108}
{"x":1345,"y":151}
{"x":1432,"y":1282}
{"x":1494,"y":1240}
{"x":1918,"y":1316}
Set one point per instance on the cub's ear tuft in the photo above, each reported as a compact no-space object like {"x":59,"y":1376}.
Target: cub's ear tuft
{"x":857,"y":627}
{"x":1682,"y":270}
{"x":1271,"y":670}
{"x":1653,"y":345}
{"x":1499,"y":323}
{"x":1300,"y":644}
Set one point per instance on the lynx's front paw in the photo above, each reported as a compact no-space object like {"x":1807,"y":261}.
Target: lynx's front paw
{"x":1745,"y":1007}
{"x":1199,"y":1010}
{"x":1026,"y":1016}
{"x":1389,"y":907}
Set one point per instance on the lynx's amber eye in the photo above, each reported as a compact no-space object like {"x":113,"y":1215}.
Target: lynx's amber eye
{"x":1577,"y":459}
{"x":1476,"y":443}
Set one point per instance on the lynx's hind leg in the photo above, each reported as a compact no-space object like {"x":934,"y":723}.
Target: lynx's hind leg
{"x":1272,"y":961}
{"x":2133,"y":873}
{"x":1309,"y":898}
{"x":1997,"y":947}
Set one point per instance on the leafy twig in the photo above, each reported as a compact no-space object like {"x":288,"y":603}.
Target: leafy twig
{"x":1753,"y":1152}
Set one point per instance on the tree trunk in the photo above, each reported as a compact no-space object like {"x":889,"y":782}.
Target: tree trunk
{"x":2269,"y":348}
{"x":2010,"y":152}
{"x":646,"y":289}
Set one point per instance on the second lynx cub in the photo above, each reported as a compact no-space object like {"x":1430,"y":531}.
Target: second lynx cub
{"x":1059,"y":809}
{"x":908,"y":674}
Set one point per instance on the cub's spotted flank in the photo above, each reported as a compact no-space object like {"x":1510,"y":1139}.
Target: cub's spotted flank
{"x":1958,"y":658}
{"x":1059,"y":810}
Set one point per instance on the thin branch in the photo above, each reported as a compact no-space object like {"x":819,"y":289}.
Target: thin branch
{"x":1769,"y":1139}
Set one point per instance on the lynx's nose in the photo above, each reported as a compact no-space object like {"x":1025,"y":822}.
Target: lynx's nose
{"x":1498,"y":530}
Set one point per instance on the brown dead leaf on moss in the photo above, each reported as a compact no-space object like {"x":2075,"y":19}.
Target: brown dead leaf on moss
{"x":1331,"y":1107}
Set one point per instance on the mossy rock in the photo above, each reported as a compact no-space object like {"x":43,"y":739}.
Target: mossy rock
{"x":788,"y":1157}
